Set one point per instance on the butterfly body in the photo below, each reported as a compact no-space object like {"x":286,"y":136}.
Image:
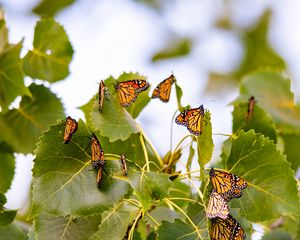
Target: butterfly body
{"x":192,"y":119}
{"x":128,"y":91}
{"x":98,"y":159}
{"x":102,"y":90}
{"x":70,"y":128}
{"x":123,"y":164}
{"x":217,"y":206}
{"x":163,"y":89}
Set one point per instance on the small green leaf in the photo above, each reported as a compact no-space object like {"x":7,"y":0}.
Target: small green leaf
{"x":63,"y":181}
{"x":21,"y":127}
{"x":271,"y":189}
{"x":179,"y":94}
{"x":205,"y":143}
{"x":272,"y":92}
{"x":149,"y":187}
{"x":177,"y":230}
{"x":7,"y":169}
{"x":12,"y":232}
{"x":178,"y":48}
{"x":11,"y":76}
{"x":276,"y":235}
{"x":52,"y":53}
{"x":3,"y":32}
{"x":190,"y":160}
{"x":6,"y":216}
{"x":115,"y":222}
{"x":260,"y":121}
{"x":69,"y":227}
{"x":50,"y":8}
{"x":291,"y":149}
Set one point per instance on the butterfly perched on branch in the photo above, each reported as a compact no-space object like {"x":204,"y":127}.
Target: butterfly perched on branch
{"x":70,"y":128}
{"x":163,"y":89}
{"x":192,"y":119}
{"x":128,"y":91}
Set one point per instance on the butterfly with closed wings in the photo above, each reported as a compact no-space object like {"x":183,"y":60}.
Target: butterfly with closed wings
{"x":70,"y":128}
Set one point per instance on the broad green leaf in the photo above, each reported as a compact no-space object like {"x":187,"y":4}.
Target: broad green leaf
{"x":291,"y":149}
{"x":64,"y":183}
{"x":115,"y":222}
{"x":161,"y":213}
{"x":50,"y":8}
{"x":178,"y":48}
{"x":177,"y":230}
{"x":7,"y":169}
{"x":11,"y":76}
{"x":272,"y":91}
{"x":3,"y":31}
{"x":190,"y":160}
{"x":6,"y":216}
{"x":12,"y":232}
{"x":179,"y":94}
{"x":276,"y":235}
{"x":205,"y":143}
{"x":52,"y":53}
{"x":181,"y":191}
{"x":260,"y":121}
{"x":149,"y":187}
{"x":271,"y":189}
{"x":69,"y":227}
{"x":21,"y":127}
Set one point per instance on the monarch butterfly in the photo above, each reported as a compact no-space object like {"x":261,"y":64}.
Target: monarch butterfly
{"x":99,"y":176}
{"x":192,"y":119}
{"x":226,"y":229}
{"x":123,"y":164}
{"x":251,"y":103}
{"x":70,"y":128}
{"x":217,"y":206}
{"x":129,"y":90}
{"x":227,"y":184}
{"x":163,"y":90}
{"x":98,"y":159}
{"x":102,"y":90}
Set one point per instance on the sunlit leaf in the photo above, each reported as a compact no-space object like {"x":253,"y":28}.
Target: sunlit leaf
{"x":291,"y":149}
{"x":70,"y":227}
{"x":50,"y":8}
{"x":7,"y":169}
{"x":276,"y":235}
{"x":6,"y":215}
{"x":12,"y":232}
{"x":21,"y":127}
{"x":115,"y":222}
{"x":161,"y":213}
{"x":3,"y":31}
{"x":271,"y":189}
{"x":64,"y":183}
{"x":197,"y":214}
{"x":11,"y":76}
{"x":52,"y":53}
{"x":179,"y":95}
{"x":178,"y":48}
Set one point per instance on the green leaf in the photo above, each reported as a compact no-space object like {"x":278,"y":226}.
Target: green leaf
{"x":6,"y":216}
{"x":12,"y":232}
{"x":276,"y":235}
{"x":63,"y":182}
{"x":149,"y":187}
{"x":272,"y":92}
{"x":175,"y":231}
{"x":52,"y":53}
{"x":271,"y":189}
{"x":3,"y":32}
{"x":22,"y":126}
{"x":204,"y":141}
{"x":190,"y":160}
{"x":7,"y":169}
{"x":178,"y":48}
{"x":115,"y":222}
{"x":161,"y":213}
{"x":50,"y":8}
{"x":291,"y":149}
{"x":11,"y":76}
{"x":260,"y":121}
{"x":179,"y":94}
{"x":69,"y":227}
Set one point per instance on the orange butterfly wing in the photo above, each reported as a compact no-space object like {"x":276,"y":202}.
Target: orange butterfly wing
{"x":163,"y":90}
{"x":101,"y":95}
{"x":217,"y":206}
{"x":98,"y":159}
{"x":99,"y":176}
{"x":70,"y":128}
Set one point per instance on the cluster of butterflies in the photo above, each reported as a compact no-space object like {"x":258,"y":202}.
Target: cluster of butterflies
{"x":128,"y":92}
{"x":98,"y":159}
{"x":225,"y":186}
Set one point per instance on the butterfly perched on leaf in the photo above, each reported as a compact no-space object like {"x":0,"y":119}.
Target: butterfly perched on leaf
{"x":251,"y":103}
{"x":227,"y":184}
{"x":128,"y":91}
{"x":192,"y":119}
{"x":70,"y":128}
{"x":98,"y":159}
{"x":163,"y":90}
{"x":226,"y":229}
{"x":217,"y":206}
{"x":99,"y":176}
{"x":123,"y":164}
{"x":102,"y":92}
